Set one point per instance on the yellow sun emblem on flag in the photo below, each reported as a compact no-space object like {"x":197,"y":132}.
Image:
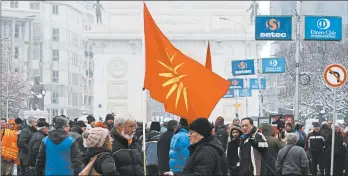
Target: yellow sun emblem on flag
{"x":174,"y":79}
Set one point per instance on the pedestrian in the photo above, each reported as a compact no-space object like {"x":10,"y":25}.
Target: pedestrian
{"x":98,"y":144}
{"x":179,"y":151}
{"x":9,"y":152}
{"x":163,"y":147}
{"x":299,"y":130}
{"x":233,"y":149}
{"x":253,"y":150}
{"x":23,"y":143}
{"x":59,"y":153}
{"x":35,"y":143}
{"x":109,"y":121}
{"x":339,"y":151}
{"x":19,"y":123}
{"x":316,"y":145}
{"x":90,"y":121}
{"x":126,"y":151}
{"x":76,"y":132}
{"x":221,"y":132}
{"x":292,"y":159}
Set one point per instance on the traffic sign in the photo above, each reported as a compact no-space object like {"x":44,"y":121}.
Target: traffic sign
{"x":335,"y":75}
{"x":236,"y":83}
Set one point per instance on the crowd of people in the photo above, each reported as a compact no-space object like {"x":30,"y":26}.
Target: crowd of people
{"x":115,"y":147}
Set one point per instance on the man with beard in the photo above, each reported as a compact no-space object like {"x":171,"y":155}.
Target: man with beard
{"x":129,"y":161}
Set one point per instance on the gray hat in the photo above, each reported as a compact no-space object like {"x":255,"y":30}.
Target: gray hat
{"x":61,"y":122}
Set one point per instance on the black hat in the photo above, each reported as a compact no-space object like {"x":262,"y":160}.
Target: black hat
{"x":201,"y":126}
{"x":155,"y":126}
{"x":90,"y":119}
{"x":183,"y":122}
{"x":109,"y":117}
{"x":80,"y":124}
{"x":42,"y":124}
{"x":18,"y":120}
{"x":42,"y":119}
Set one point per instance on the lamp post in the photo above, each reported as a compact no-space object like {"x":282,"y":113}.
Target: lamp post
{"x":245,"y":56}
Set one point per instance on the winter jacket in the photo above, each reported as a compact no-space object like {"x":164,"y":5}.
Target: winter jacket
{"x":316,"y":141}
{"x":76,"y":133}
{"x":301,"y":139}
{"x":59,"y":154}
{"x":151,"y":148}
{"x":34,"y":146}
{"x":163,"y":147}
{"x":222,"y":135}
{"x":339,"y":148}
{"x":23,"y":143}
{"x":253,"y":154}
{"x":296,"y":161}
{"x":233,"y":155}
{"x":205,"y":158}
{"x":179,"y":151}
{"x":128,"y":158}
{"x":104,"y":164}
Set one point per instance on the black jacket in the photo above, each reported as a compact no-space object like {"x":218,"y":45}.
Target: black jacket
{"x":58,"y":136}
{"x":204,"y":158}
{"x":163,"y":147}
{"x":316,"y":141}
{"x":23,"y":143}
{"x":108,"y":126}
{"x":128,"y":158}
{"x":232,"y":152}
{"x":222,"y":135}
{"x":76,"y":133}
{"x":339,"y":148}
{"x":34,"y":146}
{"x":104,"y":164}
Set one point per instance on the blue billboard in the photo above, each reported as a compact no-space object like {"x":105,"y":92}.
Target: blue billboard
{"x":229,"y":94}
{"x":243,"y":67}
{"x":236,"y":83}
{"x":323,"y":28}
{"x":273,"y":65}
{"x":241,"y":92}
{"x":273,"y":28}
{"x":254,"y":83}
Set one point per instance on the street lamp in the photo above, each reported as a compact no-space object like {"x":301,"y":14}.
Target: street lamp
{"x":245,"y":56}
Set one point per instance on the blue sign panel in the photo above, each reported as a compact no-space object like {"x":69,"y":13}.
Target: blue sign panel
{"x":229,"y":94}
{"x":254,"y":83}
{"x":241,"y":92}
{"x":273,"y":65}
{"x":243,"y":67}
{"x":273,"y":28}
{"x":237,"y":83}
{"x":323,"y":28}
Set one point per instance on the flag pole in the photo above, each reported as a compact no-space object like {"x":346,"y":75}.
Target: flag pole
{"x":143,"y":93}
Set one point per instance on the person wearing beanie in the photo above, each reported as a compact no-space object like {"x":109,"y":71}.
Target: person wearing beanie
{"x":97,"y":141}
{"x":179,"y":151}
{"x":163,"y":147}
{"x":76,"y":132}
{"x":19,"y":122}
{"x":91,"y":121}
{"x":35,"y":141}
{"x":153,"y":134}
{"x":206,"y":151}
{"x":23,"y":143}
{"x":109,"y":121}
{"x":59,"y":153}
{"x":9,"y":148}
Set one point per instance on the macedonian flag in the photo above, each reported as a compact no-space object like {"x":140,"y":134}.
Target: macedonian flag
{"x":184,"y":86}
{"x":208,"y":63}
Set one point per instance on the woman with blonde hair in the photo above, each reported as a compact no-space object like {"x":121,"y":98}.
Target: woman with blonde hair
{"x":98,"y":158}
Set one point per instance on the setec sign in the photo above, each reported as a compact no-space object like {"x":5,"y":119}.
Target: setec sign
{"x":229,"y":94}
{"x":273,"y":28}
{"x":273,"y":65}
{"x":236,"y":83}
{"x":323,"y":28}
{"x":243,"y":67}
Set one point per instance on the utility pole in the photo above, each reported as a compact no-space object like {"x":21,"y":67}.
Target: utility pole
{"x":297,"y":58}
{"x":259,"y":78}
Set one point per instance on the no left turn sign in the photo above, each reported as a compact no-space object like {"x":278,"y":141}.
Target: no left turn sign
{"x":335,"y":75}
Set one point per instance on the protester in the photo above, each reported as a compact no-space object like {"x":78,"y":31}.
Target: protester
{"x":179,"y":151}
{"x":18,"y":122}
{"x":35,"y":143}
{"x":218,"y":122}
{"x":233,"y":149}
{"x":76,"y":132}
{"x":151,"y":148}
{"x":163,"y":147}
{"x":154,"y":132}
{"x":221,"y":134}
{"x":109,"y":121}
{"x":339,"y":151}
{"x":23,"y":144}
{"x":90,"y":122}
{"x":9,"y":148}
{"x":128,"y":162}
{"x":316,"y":144}
{"x":253,"y":150}
{"x":98,"y":144}
{"x":292,"y":159}
{"x":59,"y":153}
{"x":302,"y":136}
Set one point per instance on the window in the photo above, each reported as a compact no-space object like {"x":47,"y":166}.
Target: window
{"x":16,"y":30}
{"x":55,"y":76}
{"x":54,"y":112}
{"x":62,"y":111}
{"x":54,"y":98}
{"x":16,"y":54}
{"x":55,"y":35}
{"x":35,"y":5}
{"x":55,"y":55}
{"x":55,"y":9}
{"x":14,"y":4}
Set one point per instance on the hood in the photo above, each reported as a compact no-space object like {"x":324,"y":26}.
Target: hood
{"x":57,"y":136}
{"x":267,"y":130}
{"x":182,"y":129}
{"x":86,"y":156}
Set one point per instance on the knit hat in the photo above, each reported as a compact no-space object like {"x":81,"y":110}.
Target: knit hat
{"x":61,"y":122}
{"x":80,"y":124}
{"x":90,"y":119}
{"x":11,"y":121}
{"x":42,"y":124}
{"x":95,"y":137}
{"x":172,"y":124}
{"x":219,"y":121}
{"x":100,"y":124}
{"x":183,"y":122}
{"x":201,"y":126}
{"x":109,"y":117}
{"x":18,"y":120}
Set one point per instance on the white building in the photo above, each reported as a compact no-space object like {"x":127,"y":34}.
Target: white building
{"x":55,"y":48}
{"x":119,"y":72}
